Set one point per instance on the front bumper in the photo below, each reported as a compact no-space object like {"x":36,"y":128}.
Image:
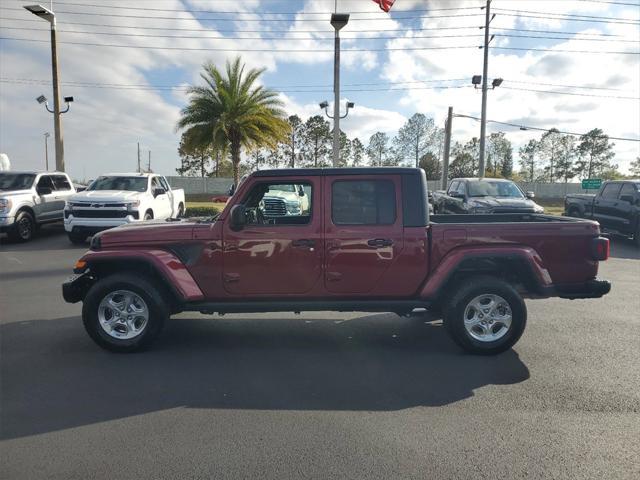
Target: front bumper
{"x":6,"y":223}
{"x":75,"y":224}
{"x":591,"y":289}
{"x":76,"y":287}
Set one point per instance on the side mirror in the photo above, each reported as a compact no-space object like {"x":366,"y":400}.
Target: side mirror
{"x":44,"y":190}
{"x":530,"y":195}
{"x":627,"y":198}
{"x":238,"y":217}
{"x":158,"y":191}
{"x":232,"y":190}
{"x":301,"y":191}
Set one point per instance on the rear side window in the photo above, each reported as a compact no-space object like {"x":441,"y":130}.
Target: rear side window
{"x":363,"y":202}
{"x":61,"y":182}
{"x":628,"y":189}
{"x":611,"y":191}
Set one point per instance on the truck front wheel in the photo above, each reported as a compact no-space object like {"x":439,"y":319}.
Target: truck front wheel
{"x":486,"y":316}
{"x":124,"y":313}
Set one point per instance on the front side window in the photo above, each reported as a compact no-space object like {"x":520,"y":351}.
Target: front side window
{"x":453,"y":187}
{"x":627,"y":190}
{"x":363,"y":202}
{"x":131,"y":184}
{"x":279,"y":204}
{"x":45,"y":182}
{"x":610,"y":191}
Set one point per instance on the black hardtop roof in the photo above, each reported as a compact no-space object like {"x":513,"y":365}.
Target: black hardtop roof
{"x":319,"y":172}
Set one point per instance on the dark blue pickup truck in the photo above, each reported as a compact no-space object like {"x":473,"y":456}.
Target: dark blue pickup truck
{"x":616,"y":207}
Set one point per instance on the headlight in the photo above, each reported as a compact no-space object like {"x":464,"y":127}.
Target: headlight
{"x":133,"y":204}
{"x":293,"y":207}
{"x":480,"y":210}
{"x":538,"y":209}
{"x":5,"y":205}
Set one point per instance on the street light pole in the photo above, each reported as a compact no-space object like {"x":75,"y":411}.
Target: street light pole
{"x":49,"y":16}
{"x":338,"y":21}
{"x":485,"y":75}
{"x":46,"y":150}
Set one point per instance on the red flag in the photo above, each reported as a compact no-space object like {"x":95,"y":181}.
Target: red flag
{"x":385,"y":4}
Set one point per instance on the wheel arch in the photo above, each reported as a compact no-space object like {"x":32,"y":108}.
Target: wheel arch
{"x":521,"y":267}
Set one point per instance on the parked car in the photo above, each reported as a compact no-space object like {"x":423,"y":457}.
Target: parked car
{"x":30,"y":199}
{"x":366,"y":243}
{"x":120,"y":198}
{"x":616,"y":207}
{"x":484,"y":196}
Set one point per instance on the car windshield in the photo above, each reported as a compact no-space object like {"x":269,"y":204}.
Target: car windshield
{"x":282,"y":188}
{"x":16,"y":181}
{"x":487,"y":188}
{"x":133,"y":184}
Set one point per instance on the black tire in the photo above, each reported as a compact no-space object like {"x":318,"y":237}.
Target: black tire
{"x":180,"y":211}
{"x":23,"y":228}
{"x":574,"y":212}
{"x":636,"y":236}
{"x":143,"y":287}
{"x":470,"y":289}
{"x":77,"y":238}
{"x":148,"y":215}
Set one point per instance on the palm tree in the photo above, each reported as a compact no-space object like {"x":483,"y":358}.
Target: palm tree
{"x":231,"y":113}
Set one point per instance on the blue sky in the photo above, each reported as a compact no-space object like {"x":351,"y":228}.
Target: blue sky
{"x":131,"y":93}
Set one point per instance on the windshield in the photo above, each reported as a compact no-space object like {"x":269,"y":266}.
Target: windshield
{"x":16,"y":181}
{"x":487,"y":188}
{"x":132,"y":184}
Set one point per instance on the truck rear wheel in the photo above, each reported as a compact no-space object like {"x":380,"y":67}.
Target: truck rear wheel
{"x":486,"y":316}
{"x":124,"y":313}
{"x":574,"y":212}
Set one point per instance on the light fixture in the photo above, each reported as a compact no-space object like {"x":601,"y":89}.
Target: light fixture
{"x":68,"y":99}
{"x":496,"y":82}
{"x":350,"y":105}
{"x":324,"y":104}
{"x":41,"y":12}
{"x":476,"y":79}
{"x":339,"y":20}
{"x":41,"y":99}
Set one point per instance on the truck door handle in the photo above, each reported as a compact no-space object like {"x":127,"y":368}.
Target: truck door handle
{"x":380,"y":242}
{"x":303,"y":242}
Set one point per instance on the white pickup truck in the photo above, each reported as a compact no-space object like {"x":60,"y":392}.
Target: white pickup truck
{"x":119,"y":198}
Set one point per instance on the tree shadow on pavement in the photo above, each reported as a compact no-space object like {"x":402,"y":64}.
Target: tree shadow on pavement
{"x":55,"y":378}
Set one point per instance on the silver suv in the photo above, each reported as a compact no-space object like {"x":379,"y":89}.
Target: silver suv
{"x":29,"y":199}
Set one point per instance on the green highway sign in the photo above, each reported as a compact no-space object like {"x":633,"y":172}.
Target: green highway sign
{"x":592,"y":183}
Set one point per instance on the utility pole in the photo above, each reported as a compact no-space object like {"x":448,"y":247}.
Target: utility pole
{"x":57,"y":123}
{"x":149,"y":162}
{"x":485,"y":78}
{"x":139,"y":170}
{"x":447,"y":148}
{"x":46,"y":150}
{"x":338,"y":21}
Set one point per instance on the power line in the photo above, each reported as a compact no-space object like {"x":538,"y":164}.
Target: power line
{"x":472,"y":27}
{"x":526,"y":127}
{"x":573,"y":15}
{"x":271,"y":50}
{"x":201,"y":19}
{"x":118,"y":7}
{"x":570,"y":93}
{"x":548,"y":17}
{"x":328,"y":38}
{"x":612,"y":3}
{"x":297,"y":88}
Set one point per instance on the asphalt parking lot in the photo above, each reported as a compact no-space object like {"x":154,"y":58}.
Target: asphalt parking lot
{"x":319,"y":395}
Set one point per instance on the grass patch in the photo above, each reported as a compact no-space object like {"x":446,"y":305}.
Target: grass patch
{"x":203,"y":209}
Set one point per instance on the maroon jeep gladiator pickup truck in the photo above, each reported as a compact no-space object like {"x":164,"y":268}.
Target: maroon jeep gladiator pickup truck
{"x":361,"y":240}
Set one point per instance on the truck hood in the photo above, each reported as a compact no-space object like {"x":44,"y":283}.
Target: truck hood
{"x":14,"y":193}
{"x":149,"y":233}
{"x":514,"y":203}
{"x":105,"y":196}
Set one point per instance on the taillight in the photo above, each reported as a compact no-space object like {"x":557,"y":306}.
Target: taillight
{"x":600,"y":248}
